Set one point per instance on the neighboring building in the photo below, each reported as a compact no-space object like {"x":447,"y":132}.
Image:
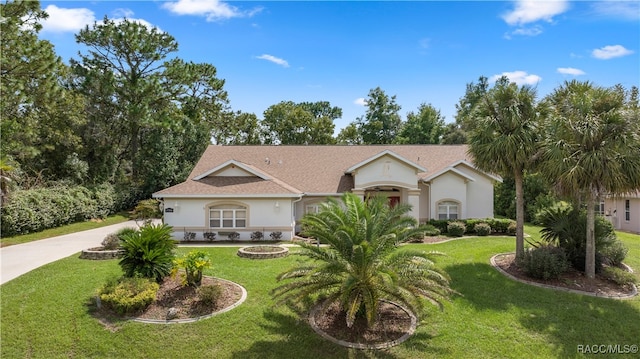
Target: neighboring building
{"x":270,"y":188}
{"x":623,"y":211}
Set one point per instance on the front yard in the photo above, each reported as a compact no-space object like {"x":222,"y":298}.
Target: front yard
{"x":44,"y":314}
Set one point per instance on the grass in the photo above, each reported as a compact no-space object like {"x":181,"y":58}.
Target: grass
{"x":59,"y":231}
{"x":44,"y":314}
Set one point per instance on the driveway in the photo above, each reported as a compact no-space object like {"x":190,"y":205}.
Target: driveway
{"x":19,"y":259}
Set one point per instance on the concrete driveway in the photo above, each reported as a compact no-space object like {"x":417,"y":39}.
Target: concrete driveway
{"x":19,"y":259}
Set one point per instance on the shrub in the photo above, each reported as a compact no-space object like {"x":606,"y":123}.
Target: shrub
{"x":128,"y":295}
{"x":431,"y":230}
{"x":614,"y":253}
{"x":148,"y":253}
{"x":482,"y":229}
{"x":511,"y":229}
{"x":111,"y":242}
{"x":256,"y":236}
{"x":456,"y":229}
{"x":544,"y":262}
{"x":440,"y":224}
{"x":193,"y":264}
{"x":233,"y":236}
{"x":210,"y":236}
{"x":146,"y":210}
{"x":209,"y":294}
{"x":276,"y":236}
{"x":189,"y":236}
{"x":619,"y":276}
{"x":122,"y":232}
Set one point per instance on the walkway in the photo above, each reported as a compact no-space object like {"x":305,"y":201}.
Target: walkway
{"x":19,"y":259}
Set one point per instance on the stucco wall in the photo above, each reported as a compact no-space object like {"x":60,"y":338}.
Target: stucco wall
{"x":479,"y":194}
{"x":272,"y":214}
{"x":615,"y":210}
{"x":388,"y":171}
{"x":425,"y":206}
{"x":449,"y":186}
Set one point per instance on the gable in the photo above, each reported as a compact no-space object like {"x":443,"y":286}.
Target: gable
{"x":386,"y":169}
{"x":232,"y":168}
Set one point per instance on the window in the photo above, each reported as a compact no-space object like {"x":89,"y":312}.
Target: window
{"x":600,"y":208}
{"x":627,"y":210}
{"x":448,"y":210}
{"x":312,"y":208}
{"x":227,"y":216}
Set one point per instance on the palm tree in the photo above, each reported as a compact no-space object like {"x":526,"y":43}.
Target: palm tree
{"x":362,"y":264}
{"x":503,"y":141}
{"x":592,"y":148}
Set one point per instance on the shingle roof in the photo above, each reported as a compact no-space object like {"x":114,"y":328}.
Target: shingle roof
{"x":304,"y":169}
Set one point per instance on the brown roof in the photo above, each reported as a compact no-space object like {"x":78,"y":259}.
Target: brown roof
{"x":304,"y":169}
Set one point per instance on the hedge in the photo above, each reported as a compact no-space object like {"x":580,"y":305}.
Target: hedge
{"x":498,"y":225}
{"x":37,"y":209}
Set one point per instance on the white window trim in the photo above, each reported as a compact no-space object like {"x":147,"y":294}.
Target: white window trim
{"x":234,"y":217}
{"x":627,"y":210}
{"x":449,"y":203}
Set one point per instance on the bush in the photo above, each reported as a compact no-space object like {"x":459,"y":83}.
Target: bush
{"x":128,"y":295}
{"x":511,"y":229}
{"x":209,"y":294}
{"x":233,"y":236}
{"x":148,"y":253}
{"x":276,"y":236}
{"x":111,"y":242}
{"x":256,"y":236}
{"x":482,"y":229}
{"x":544,"y":262}
{"x":431,"y":230}
{"x":456,"y":229}
{"x":189,"y":236}
{"x":210,"y":236}
{"x":122,"y":232}
{"x":146,"y":210}
{"x":614,"y":253}
{"x":193,"y":264}
{"x":440,"y":224}
{"x":619,"y":276}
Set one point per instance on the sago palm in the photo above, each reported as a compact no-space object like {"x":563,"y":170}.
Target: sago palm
{"x":362,"y":264}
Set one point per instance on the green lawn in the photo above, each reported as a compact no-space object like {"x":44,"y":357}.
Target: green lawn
{"x":44,"y":315}
{"x":59,"y":231}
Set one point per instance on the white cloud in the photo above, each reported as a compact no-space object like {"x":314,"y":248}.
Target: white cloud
{"x":211,"y":9}
{"x":122,"y":12}
{"x":527,"y":11}
{"x":570,"y":71}
{"x":275,"y":60}
{"x":361,"y":101}
{"x":624,"y":10}
{"x":519,"y":77}
{"x":610,"y":51}
{"x":67,"y":20}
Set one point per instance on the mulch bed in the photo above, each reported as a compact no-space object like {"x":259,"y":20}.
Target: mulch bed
{"x":572,"y":279}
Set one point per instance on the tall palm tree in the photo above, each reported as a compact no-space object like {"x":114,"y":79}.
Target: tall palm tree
{"x":504,"y":139}
{"x":592,"y":147}
{"x":362,"y":264}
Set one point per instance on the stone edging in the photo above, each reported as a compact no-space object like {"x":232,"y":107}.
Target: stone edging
{"x":98,"y":253}
{"x":412,"y":329}
{"x":633,"y":293}
{"x":243,"y":297}
{"x":244,"y":253}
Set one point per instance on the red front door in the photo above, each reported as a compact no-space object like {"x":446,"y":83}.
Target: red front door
{"x":393,"y":201}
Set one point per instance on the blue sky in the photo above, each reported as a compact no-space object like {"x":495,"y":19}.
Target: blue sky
{"x":419,"y":51}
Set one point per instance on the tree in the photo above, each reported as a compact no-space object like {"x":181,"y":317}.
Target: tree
{"x":362,"y":264}
{"x":305,"y":123}
{"x":592,"y":147}
{"x":237,"y":128}
{"x":503,"y":140}
{"x":381,"y":124}
{"x":349,"y":135}
{"x":453,"y":135}
{"x":465,"y":108}
{"x":425,"y":127}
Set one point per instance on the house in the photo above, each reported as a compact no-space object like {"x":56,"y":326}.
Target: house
{"x":270,"y":188}
{"x":623,"y":211}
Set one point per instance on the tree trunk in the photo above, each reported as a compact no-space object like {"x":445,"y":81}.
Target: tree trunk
{"x":518,"y":176}
{"x":590,"y":259}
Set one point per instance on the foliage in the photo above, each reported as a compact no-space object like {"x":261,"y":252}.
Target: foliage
{"x":482,"y":229}
{"x":111,"y":242}
{"x":381,"y":123}
{"x":148,"y":253}
{"x":453,"y":135}
{"x":237,"y":128}
{"x":209,"y":294}
{"x":276,"y":236}
{"x":565,"y":227}
{"x":146,"y":210}
{"x":431,"y":230}
{"x":544,"y":262}
{"x":349,"y":135}
{"x":619,"y":276}
{"x":233,"y":236}
{"x":306,"y":123}
{"x":210,"y":236}
{"x":189,"y":236}
{"x":257,"y":235}
{"x":614,"y":253}
{"x":37,"y":209}
{"x":592,"y":148}
{"x":425,"y":127}
{"x":503,"y":139}
{"x":362,"y":264}
{"x":474,"y":94}
{"x":128,"y":295}
{"x":456,"y":229}
{"x":498,"y":225}
{"x":511,"y":230}
{"x":193,"y":264}
{"x":537,"y":193}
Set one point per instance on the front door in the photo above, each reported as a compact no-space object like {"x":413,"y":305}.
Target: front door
{"x":393,"y":201}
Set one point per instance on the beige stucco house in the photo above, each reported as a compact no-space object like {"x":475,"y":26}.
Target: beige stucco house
{"x":623,"y":211}
{"x":270,"y":188}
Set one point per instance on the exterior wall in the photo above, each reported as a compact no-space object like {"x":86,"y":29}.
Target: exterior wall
{"x":425,"y":205}
{"x":448,"y":186}
{"x":264,"y":214}
{"x":388,"y":171}
{"x":615,"y":213}
{"x":479,"y":194}
{"x":233,"y":171}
